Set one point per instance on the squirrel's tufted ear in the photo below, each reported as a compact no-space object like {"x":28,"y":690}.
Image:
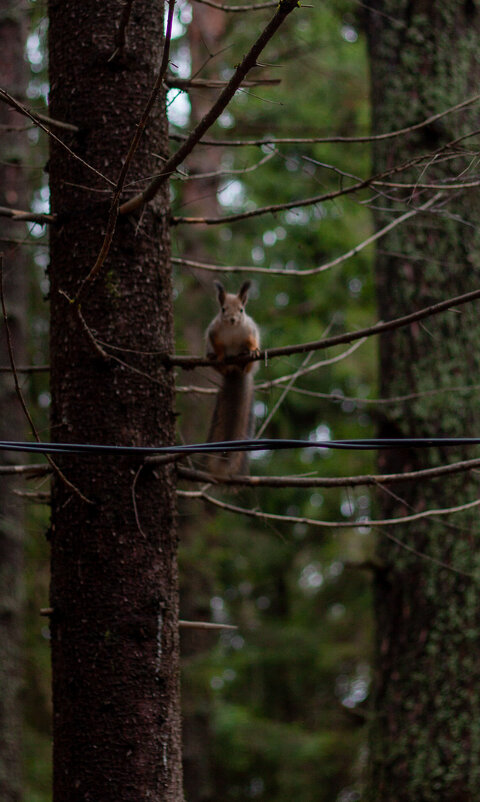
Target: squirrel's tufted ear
{"x":243,"y":292}
{"x":220,"y":292}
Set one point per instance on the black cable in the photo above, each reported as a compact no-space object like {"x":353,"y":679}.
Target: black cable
{"x":239,"y":445}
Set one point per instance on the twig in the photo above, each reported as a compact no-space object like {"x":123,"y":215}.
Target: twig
{"x":221,"y":173}
{"x":134,"y":501}
{"x":49,"y":611}
{"x":191,"y":388}
{"x":424,"y":556}
{"x":274,"y":208}
{"x":395,"y":399}
{"x":98,"y":346}
{"x":226,"y":7}
{"x":33,"y":115}
{"x":26,"y":369}
{"x":165,"y":460}
{"x":285,"y":7}
{"x":29,"y":471}
{"x":203,"y":625}
{"x":35,"y":496}
{"x":24,"y":241}
{"x":27,"y":217}
{"x":285,"y":271}
{"x":302,"y":371}
{"x":284,"y":394}
{"x":389,"y":492}
{"x":20,"y":394}
{"x":214,"y":83}
{"x":120,"y":36}
{"x":56,"y":123}
{"x":292,"y":379}
{"x":36,"y":119}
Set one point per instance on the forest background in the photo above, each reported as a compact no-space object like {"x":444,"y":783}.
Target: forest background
{"x":277,"y":708}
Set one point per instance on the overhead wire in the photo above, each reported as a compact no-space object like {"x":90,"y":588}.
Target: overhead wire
{"x":368,"y":444}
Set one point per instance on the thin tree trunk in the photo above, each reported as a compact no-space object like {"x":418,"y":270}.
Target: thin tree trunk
{"x":425,"y":742}
{"x":13,"y":192}
{"x":206,"y":35}
{"x":114,"y":576}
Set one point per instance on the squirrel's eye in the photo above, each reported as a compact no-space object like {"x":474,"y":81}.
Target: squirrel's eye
{"x":223,"y":309}
{"x":241,"y":309}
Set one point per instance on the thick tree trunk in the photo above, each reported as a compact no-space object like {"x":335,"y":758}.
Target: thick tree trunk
{"x":114,"y":579}
{"x":13,"y":192}
{"x":425,"y":739}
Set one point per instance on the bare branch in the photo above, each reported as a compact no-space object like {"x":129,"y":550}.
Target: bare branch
{"x":98,"y":347}
{"x":27,"y":217}
{"x":36,"y":119}
{"x":28,"y":471}
{"x":318,"y":524}
{"x":220,"y":173}
{"x":310,"y":369}
{"x":214,"y":83}
{"x":395,"y":399}
{"x":33,"y":115}
{"x":120,"y":36}
{"x":350,"y":140}
{"x":285,"y":271}
{"x":191,"y":388}
{"x":31,"y":243}
{"x":56,"y":123}
{"x":226,"y":7}
{"x":20,"y":394}
{"x":38,"y":497}
{"x":285,"y":7}
{"x":204,"y":625}
{"x":329,"y":481}
{"x":26,"y":369}
{"x":356,"y":399}
{"x":299,"y":204}
{"x":188,"y":362}
{"x":424,"y":556}
{"x":283,"y":395}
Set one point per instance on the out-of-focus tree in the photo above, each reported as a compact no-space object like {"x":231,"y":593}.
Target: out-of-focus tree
{"x":424,"y":59}
{"x":14,"y":192}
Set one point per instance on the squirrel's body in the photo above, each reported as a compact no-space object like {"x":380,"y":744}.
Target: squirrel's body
{"x":232,"y":333}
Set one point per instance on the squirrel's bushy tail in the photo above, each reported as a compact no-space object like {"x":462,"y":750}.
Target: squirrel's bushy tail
{"x":232,"y":420}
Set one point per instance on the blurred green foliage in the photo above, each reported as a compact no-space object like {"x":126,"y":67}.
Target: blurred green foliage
{"x":285,"y":693}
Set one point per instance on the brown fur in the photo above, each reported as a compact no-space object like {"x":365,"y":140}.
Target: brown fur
{"x":232,"y":333}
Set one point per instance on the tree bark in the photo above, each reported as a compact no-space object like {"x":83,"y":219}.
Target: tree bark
{"x":114,"y":575}
{"x":13,"y":192}
{"x":425,"y":737}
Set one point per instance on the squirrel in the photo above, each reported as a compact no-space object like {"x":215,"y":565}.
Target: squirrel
{"x":232,"y":333}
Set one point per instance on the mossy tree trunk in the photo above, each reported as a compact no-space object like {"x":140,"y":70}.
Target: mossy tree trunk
{"x":13,"y":192}
{"x":114,"y":578}
{"x":425,"y":741}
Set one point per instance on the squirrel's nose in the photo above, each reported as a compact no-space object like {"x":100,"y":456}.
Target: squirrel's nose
{"x":232,"y":319}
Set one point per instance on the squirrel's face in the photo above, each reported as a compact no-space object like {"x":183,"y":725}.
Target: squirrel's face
{"x":232,"y":310}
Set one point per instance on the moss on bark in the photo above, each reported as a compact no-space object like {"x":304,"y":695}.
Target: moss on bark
{"x":425,"y":742}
